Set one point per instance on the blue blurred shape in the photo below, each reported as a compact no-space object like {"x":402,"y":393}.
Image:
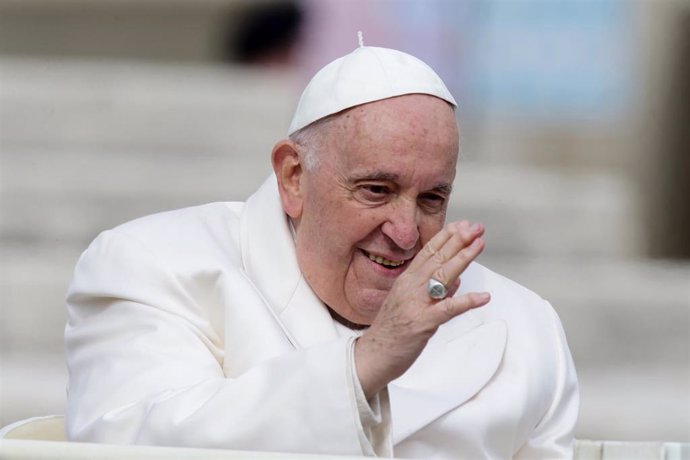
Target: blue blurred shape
{"x":558,"y":59}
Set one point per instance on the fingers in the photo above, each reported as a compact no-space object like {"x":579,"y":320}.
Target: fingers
{"x":450,"y":251}
{"x":457,"y":264}
{"x":453,"y":287}
{"x":451,"y":307}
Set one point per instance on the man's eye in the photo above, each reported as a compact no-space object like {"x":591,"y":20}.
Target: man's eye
{"x":376,"y":189}
{"x":373,"y":193}
{"x":433,"y":201}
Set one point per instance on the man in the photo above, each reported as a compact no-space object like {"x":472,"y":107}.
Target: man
{"x":333,"y":312}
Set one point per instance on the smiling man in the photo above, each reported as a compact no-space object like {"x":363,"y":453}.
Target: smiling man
{"x":333,"y":312}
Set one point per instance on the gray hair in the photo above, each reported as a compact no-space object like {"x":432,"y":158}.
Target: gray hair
{"x":311,"y":139}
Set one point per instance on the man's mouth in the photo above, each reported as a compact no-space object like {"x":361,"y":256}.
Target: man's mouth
{"x":383,"y":261}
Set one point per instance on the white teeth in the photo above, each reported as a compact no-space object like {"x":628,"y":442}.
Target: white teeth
{"x":388,"y":263}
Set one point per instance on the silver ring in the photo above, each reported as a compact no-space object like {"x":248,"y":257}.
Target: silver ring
{"x":436,"y":289}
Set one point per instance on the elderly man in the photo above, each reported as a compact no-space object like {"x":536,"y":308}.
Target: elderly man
{"x":333,"y":312}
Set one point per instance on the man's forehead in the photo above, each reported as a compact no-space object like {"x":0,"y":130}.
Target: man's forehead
{"x":392,"y":113}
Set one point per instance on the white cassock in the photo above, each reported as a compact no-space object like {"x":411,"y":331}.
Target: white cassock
{"x":196,"y":328}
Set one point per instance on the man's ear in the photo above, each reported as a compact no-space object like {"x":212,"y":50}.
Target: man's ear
{"x":288,"y":169}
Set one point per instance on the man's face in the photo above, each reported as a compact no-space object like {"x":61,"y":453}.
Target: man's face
{"x":379,"y":192}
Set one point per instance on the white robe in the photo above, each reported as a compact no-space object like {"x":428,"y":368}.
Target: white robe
{"x":196,"y":328}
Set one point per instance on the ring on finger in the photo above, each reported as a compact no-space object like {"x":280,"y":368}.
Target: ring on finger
{"x":436,"y":289}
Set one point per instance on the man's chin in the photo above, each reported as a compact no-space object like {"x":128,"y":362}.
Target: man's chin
{"x":368,"y":306}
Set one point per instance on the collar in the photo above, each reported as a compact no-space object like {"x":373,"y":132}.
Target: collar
{"x":270,"y":261}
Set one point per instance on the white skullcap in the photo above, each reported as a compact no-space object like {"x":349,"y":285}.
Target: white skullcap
{"x":365,"y":75}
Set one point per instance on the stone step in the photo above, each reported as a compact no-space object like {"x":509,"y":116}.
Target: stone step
{"x":613,"y":311}
{"x":100,"y":105}
{"x":538,"y":211}
{"x":88,"y":145}
{"x":73,"y":195}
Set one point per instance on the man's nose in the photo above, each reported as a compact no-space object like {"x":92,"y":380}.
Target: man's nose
{"x":402,"y":225}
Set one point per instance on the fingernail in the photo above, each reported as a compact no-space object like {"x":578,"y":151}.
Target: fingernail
{"x":476,"y":227}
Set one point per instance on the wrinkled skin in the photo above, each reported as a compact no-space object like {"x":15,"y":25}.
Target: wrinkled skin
{"x":369,"y":226}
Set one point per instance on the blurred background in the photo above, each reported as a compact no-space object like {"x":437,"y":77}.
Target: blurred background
{"x":575,"y":146}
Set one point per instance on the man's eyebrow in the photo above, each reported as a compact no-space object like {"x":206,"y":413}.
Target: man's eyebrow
{"x":446,"y":189}
{"x":375,"y":175}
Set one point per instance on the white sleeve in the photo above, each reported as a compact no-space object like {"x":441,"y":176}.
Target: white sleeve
{"x":375,"y":414}
{"x":146,"y":367}
{"x":554,"y":435}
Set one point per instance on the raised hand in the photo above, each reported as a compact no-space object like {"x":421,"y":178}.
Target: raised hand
{"x":409,"y":316}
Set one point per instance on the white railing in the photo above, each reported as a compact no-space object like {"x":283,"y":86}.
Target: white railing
{"x":43,"y":437}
